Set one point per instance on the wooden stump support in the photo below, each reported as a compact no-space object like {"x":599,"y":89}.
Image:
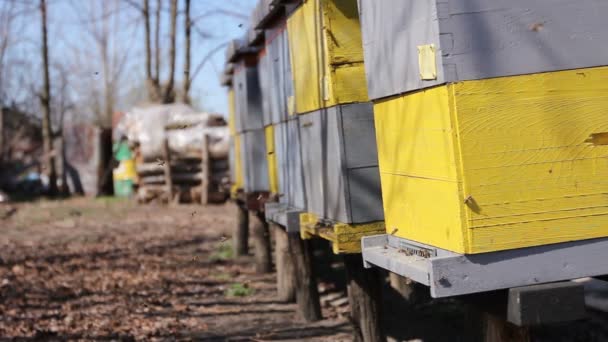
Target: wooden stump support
{"x":284,"y":263}
{"x":365,"y":298}
{"x":240,"y":237}
{"x":261,"y":244}
{"x":307,"y":293}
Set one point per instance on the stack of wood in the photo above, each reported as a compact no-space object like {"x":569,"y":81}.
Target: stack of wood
{"x":184,"y":178}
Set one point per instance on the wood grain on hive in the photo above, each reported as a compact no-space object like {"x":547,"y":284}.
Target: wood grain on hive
{"x":326,"y":55}
{"x":496,"y":164}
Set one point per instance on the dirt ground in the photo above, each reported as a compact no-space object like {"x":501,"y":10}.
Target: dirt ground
{"x":107,"y":269}
{"x":111,"y":270}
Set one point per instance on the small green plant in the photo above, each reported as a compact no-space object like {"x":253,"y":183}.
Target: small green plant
{"x":222,"y":253}
{"x":223,"y":277}
{"x":239,"y":290}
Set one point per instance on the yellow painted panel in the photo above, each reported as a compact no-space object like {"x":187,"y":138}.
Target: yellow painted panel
{"x":238,"y":165}
{"x":527,"y":160}
{"x":415,"y":136}
{"x":231,"y":112}
{"x":271,"y":157}
{"x":342,"y":32}
{"x":496,"y":164}
{"x":349,"y":85}
{"x":423,"y":210}
{"x":305,"y":56}
{"x":326,"y":54}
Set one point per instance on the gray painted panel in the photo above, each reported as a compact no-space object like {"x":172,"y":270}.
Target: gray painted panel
{"x":365,"y":195}
{"x":492,"y":38}
{"x":359,"y":134}
{"x":232,"y":160}
{"x":279,"y":73}
{"x":336,"y":206}
{"x":255,"y":167}
{"x":311,"y":135}
{"x":248,"y":103}
{"x":341,"y":174}
{"x":392,"y":30}
{"x":295,"y":192}
{"x":478,"y":39}
{"x":266,"y":86}
{"x":452,"y":274}
{"x":500,"y":270}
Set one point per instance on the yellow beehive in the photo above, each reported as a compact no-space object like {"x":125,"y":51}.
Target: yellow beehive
{"x":271,"y":157}
{"x":326,"y":54}
{"x":496,"y":164}
{"x":238,"y":181}
{"x":231,"y":112}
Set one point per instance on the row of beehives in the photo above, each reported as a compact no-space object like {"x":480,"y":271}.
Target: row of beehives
{"x":472,"y":126}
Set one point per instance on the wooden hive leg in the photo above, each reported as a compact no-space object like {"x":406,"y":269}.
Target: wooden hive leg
{"x":261,"y":244}
{"x":497,"y":329}
{"x":285,"y":266}
{"x":365,"y":298}
{"x":240,"y":237}
{"x":413,"y":292}
{"x":307,"y":293}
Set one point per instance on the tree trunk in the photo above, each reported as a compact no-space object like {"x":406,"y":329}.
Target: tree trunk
{"x":411,"y":291}
{"x":47,"y":134}
{"x":307,"y":293}
{"x":152,"y":84}
{"x":261,"y":244}
{"x":157,"y":42}
{"x":240,"y":238}
{"x":365,"y":298}
{"x":286,"y":281}
{"x":187,"y":57}
{"x":105,"y":184}
{"x":1,"y":136}
{"x":169,"y":95}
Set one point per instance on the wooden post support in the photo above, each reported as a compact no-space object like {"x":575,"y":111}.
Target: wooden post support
{"x":240,"y":237}
{"x":365,"y":298}
{"x":205,"y":170}
{"x":167,"y":171}
{"x":261,"y":244}
{"x":497,"y":329}
{"x":412,"y":292}
{"x":307,"y":293}
{"x":286,"y":281}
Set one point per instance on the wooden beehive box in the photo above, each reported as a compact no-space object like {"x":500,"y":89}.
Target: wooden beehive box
{"x":326,"y":54}
{"x":497,"y":164}
{"x":289,"y":164}
{"x":501,"y":148}
{"x":414,"y":44}
{"x":340,"y":164}
{"x":255,"y":166}
{"x":245,"y":83}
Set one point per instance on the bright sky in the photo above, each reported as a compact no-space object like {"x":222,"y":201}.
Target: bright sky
{"x":66,"y":32}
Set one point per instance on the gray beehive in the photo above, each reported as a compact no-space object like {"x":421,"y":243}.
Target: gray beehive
{"x":277,"y":69}
{"x":340,"y":164}
{"x":289,"y":164}
{"x":478,"y":39}
{"x":255,"y":166}
{"x":247,"y":97}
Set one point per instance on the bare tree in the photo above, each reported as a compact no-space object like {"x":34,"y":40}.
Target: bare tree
{"x":169,"y":94}
{"x":187,"y":57}
{"x":45,"y":99}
